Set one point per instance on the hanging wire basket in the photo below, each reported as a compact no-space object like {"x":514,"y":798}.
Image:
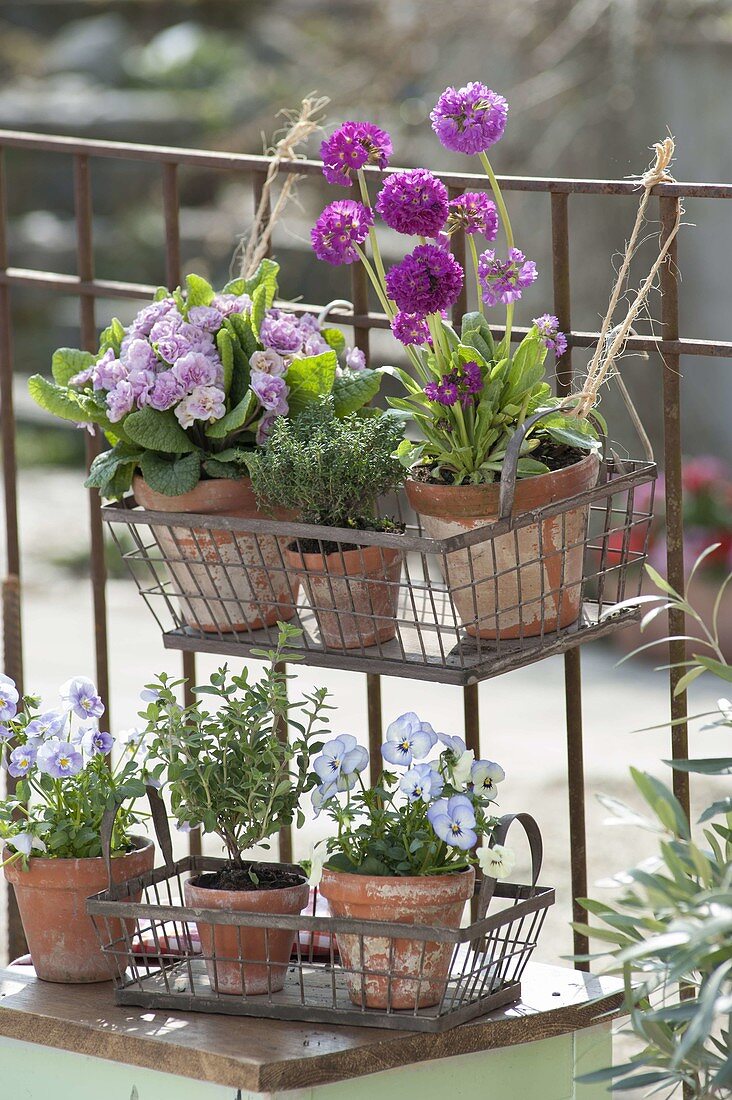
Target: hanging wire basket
{"x":455,"y":609}
{"x":163,"y":953}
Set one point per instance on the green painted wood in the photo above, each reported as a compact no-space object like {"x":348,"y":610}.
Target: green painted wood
{"x":545,"y":1069}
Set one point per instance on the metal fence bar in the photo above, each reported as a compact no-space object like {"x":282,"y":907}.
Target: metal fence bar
{"x":572,"y":658}
{"x":671,"y":381}
{"x":83,"y":204}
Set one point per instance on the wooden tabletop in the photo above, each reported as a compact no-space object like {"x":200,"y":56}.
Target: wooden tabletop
{"x":269,"y":1055}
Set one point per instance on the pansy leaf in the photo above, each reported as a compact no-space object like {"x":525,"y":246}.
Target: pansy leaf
{"x":354,"y":389}
{"x":170,"y":475}
{"x":67,"y":362}
{"x":310,"y":379}
{"x":200,"y":292}
{"x":157,"y":431}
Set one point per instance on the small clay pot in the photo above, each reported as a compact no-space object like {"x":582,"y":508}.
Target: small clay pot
{"x":246,"y":960}
{"x":51,"y":897}
{"x":525,"y":582}
{"x":353,"y":593}
{"x":226,"y":581}
{"x":397,"y":973}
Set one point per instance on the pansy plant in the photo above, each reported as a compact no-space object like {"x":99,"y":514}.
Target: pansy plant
{"x":427,"y":817}
{"x":64,"y":777}
{"x":198,"y":380}
{"x":467,"y":392}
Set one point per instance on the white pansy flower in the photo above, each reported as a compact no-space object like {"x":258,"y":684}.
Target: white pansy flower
{"x":317,"y":859}
{"x":461,"y":771}
{"x":496,"y":862}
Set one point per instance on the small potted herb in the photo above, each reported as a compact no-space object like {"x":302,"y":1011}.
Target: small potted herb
{"x":467,"y":393}
{"x":334,"y":470}
{"x":404,"y":852}
{"x":229,"y":771}
{"x":184,"y":394}
{"x":51,"y":825}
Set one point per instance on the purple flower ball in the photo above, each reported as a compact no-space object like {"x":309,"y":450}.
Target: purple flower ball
{"x":554,"y":340}
{"x":195,"y":370}
{"x":505,"y":280}
{"x":167,"y":391}
{"x":120,"y":401}
{"x":206,"y":317}
{"x":139,"y":355}
{"x":108,"y":371}
{"x":427,"y":280}
{"x":353,"y":145}
{"x":149,"y":315}
{"x":470,"y":119}
{"x":281,"y":332}
{"x":410,"y":328}
{"x":475,"y":213}
{"x":142,"y":382}
{"x":342,"y":225}
{"x":271,"y":392}
{"x":414,"y":202}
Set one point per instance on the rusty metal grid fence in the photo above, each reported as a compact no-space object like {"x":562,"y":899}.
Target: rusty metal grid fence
{"x":86,"y":288}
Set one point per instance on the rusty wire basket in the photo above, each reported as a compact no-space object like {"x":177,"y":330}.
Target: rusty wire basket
{"x":163,"y":953}
{"x":452,"y":609}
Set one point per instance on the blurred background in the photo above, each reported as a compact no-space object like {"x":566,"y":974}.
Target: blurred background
{"x":591,"y":85}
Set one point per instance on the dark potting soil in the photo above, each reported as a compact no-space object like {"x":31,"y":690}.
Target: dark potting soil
{"x":557,"y":456}
{"x":269,"y":875}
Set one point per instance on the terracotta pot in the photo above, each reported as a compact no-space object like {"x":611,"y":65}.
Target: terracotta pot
{"x":354,"y":593}
{"x":388,"y":974}
{"x":530,"y":587}
{"x":231,"y":943}
{"x":225,"y":580}
{"x":51,"y":897}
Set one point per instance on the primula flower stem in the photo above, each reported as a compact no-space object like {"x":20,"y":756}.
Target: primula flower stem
{"x":497,"y":194}
{"x":378,"y":287}
{"x":372,"y":232}
{"x":474,"y":255}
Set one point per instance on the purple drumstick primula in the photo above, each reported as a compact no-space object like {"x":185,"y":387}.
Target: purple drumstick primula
{"x":554,"y":340}
{"x":414,"y":202}
{"x":470,"y":119}
{"x":427,"y":280}
{"x":351,"y":147}
{"x":475,"y":213}
{"x":342,"y":226}
{"x":410,"y":328}
{"x":505,"y":280}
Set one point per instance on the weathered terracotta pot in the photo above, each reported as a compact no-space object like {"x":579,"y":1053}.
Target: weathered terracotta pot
{"x":230,"y":943}
{"x":533,"y":585}
{"x":388,"y":974}
{"x":354,"y":593}
{"x":51,"y":897}
{"x":225,"y":580}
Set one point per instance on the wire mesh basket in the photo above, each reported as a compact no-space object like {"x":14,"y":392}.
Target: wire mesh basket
{"x":165,"y":953}
{"x":455,"y":609}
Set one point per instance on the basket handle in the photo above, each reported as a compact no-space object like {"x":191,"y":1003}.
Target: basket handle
{"x":507,"y":489}
{"x":160,"y":823}
{"x":536,"y":846}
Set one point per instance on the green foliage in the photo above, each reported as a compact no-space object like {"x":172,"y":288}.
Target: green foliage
{"x":354,"y":389}
{"x":66,"y":362}
{"x":672,"y":927}
{"x":310,"y":380}
{"x":332,"y":470}
{"x":112,"y":471}
{"x":157,"y":431}
{"x":467,"y":441}
{"x":228,"y":769}
{"x":169,"y":474}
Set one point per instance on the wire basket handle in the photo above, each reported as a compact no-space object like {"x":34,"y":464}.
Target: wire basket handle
{"x":160,"y":823}
{"x":536,"y":847}
{"x":507,"y":489}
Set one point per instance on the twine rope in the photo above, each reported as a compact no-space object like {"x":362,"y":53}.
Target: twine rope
{"x":613,"y":338}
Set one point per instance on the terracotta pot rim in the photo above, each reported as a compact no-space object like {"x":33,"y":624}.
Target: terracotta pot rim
{"x":43,"y":863}
{"x":278,"y":892}
{"x":385,"y":554}
{"x":407,"y":880}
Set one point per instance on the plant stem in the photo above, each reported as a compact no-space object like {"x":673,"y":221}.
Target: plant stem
{"x":499,"y":200}
{"x":372,"y":232}
{"x":474,"y":255}
{"x":388,"y":306}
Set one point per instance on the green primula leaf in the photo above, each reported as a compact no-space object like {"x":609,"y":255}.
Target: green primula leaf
{"x":160,"y":293}
{"x":214,"y":467}
{"x":476,"y":333}
{"x":225,"y":348}
{"x":235,"y":286}
{"x":242,"y":329}
{"x":265,"y":276}
{"x":169,"y":475}
{"x":157,"y":431}
{"x":335,"y":338}
{"x":354,"y":389}
{"x":310,"y":379}
{"x":67,"y":362}
{"x":200,"y":292}
{"x":112,"y":337}
{"x":259,"y":308}
{"x":65,"y":403}
{"x":112,"y":471}
{"x":234,"y":419}
{"x":570,"y":436}
{"x":529,"y":467}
